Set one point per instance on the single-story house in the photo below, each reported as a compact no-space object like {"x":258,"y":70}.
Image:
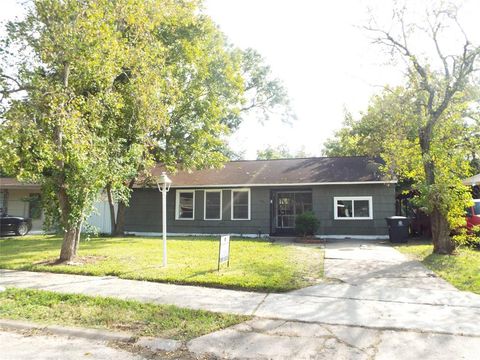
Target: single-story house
{"x":473,"y":180}
{"x":349,"y":195}
{"x":23,"y":199}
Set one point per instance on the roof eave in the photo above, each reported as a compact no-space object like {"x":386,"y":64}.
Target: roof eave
{"x":280,"y":184}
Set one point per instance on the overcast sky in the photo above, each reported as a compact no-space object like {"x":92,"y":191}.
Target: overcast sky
{"x":326,"y":61}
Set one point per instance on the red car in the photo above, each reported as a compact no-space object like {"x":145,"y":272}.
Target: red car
{"x":473,"y":215}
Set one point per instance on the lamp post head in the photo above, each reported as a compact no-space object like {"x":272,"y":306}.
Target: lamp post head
{"x":164,"y":180}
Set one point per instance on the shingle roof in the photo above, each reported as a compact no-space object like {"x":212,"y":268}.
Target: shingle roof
{"x":304,"y":171}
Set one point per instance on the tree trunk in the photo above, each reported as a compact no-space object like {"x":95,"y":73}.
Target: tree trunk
{"x":78,"y":233}
{"x":111,"y":204}
{"x":121,"y":210}
{"x":120,"y":223}
{"x":442,"y":243}
{"x":69,"y":246}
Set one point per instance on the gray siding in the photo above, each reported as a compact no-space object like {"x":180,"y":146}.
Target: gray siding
{"x":383,"y":203}
{"x":144,"y":212}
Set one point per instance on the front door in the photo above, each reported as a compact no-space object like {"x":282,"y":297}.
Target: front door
{"x":286,"y":206}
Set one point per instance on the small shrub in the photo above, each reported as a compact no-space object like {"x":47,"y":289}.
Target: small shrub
{"x":467,"y":238}
{"x":306,"y":223}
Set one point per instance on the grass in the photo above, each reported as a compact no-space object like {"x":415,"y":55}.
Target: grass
{"x":255,"y":265}
{"x":462,"y":269}
{"x":107,"y":313}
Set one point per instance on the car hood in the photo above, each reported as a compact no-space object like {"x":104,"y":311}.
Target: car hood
{"x":14,"y":217}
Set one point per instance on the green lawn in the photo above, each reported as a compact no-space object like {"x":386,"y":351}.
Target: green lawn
{"x":141,"y":319}
{"x":255,"y":264}
{"x":462,"y":270}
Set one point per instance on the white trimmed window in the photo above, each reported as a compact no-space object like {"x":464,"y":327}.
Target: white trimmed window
{"x":185,"y":205}
{"x":353,"y":208}
{"x":212,"y":208}
{"x":240,"y":204}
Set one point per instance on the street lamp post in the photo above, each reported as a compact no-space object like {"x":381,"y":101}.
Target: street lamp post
{"x":163,"y":186}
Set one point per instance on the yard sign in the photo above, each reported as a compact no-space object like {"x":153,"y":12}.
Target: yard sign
{"x":224,"y":251}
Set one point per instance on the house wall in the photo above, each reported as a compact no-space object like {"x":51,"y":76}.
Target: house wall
{"x":383,"y":203}
{"x":18,"y":206}
{"x":144,"y":213}
{"x":99,"y":219}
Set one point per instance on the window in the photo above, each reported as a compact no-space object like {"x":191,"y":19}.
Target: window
{"x":3,"y":202}
{"x":476,"y":207}
{"x":213,"y":205}
{"x":241,"y":204}
{"x":353,"y":208}
{"x":185,"y":209}
{"x":34,"y":206}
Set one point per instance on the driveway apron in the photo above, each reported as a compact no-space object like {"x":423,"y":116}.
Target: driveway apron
{"x":377,"y":264}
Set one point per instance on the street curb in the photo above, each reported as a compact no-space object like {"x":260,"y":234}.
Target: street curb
{"x":151,"y":343}
{"x":91,"y":334}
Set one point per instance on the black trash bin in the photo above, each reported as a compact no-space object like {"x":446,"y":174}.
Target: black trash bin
{"x":398,"y":228}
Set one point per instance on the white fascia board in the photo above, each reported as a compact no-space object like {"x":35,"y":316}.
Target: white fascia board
{"x":278,"y":185}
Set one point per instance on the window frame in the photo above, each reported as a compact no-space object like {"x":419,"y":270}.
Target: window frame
{"x":35,"y":198}
{"x":177,"y":204}
{"x":205,"y":204}
{"x":353,"y":198}
{"x":4,"y":207}
{"x":247,"y":190}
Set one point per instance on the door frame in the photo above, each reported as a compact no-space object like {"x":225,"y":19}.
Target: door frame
{"x":273,"y":208}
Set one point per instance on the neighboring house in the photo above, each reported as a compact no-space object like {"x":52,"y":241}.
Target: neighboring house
{"x":349,"y":195}
{"x":23,"y":199}
{"x":474,"y":182}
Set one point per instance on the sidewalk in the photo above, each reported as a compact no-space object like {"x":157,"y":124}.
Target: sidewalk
{"x":439,"y":311}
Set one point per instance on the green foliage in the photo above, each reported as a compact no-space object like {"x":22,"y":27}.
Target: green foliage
{"x":390,"y":128}
{"x":138,"y":318}
{"x":279,"y":152}
{"x":468,"y":238}
{"x":256,"y":265}
{"x":109,"y":87}
{"x":306,"y":223}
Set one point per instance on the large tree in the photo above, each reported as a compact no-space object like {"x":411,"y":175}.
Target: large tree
{"x":93,"y":92}
{"x":212,"y":86}
{"x":422,"y":130}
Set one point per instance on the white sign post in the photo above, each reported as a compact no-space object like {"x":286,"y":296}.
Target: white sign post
{"x":224,"y":251}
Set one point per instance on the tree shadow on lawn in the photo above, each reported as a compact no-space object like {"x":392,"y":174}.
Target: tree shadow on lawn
{"x":26,"y":253}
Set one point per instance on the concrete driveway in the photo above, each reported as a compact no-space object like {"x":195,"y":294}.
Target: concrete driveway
{"x":360,"y":263}
{"x":376,"y":304}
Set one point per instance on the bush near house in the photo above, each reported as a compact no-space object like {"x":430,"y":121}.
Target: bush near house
{"x":306,"y":223}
